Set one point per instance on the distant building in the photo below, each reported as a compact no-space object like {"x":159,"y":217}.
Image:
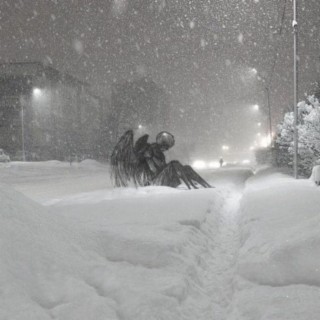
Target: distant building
{"x":47,"y":113}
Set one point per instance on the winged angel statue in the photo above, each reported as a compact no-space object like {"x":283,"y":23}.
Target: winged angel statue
{"x":145,"y":164}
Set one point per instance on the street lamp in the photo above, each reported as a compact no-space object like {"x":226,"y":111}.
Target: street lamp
{"x":269,"y":111}
{"x":23,"y":103}
{"x":141,"y":129}
{"x":37,"y":93}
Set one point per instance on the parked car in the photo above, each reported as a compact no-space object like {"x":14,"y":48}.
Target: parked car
{"x":3,"y":156}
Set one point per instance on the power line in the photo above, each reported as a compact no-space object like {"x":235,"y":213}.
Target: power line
{"x":276,"y":51}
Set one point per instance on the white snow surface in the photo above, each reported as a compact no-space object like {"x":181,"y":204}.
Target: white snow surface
{"x":315,"y":176}
{"x":72,"y":247}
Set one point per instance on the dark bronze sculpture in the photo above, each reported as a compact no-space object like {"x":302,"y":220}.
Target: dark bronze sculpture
{"x":145,"y":164}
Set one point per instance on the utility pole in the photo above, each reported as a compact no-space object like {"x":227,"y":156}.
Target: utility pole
{"x":295,"y":84}
{"x":269,"y":111}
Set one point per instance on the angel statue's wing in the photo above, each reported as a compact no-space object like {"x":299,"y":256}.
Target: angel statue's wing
{"x":141,"y":145}
{"x":123,"y":160}
{"x":143,"y":174}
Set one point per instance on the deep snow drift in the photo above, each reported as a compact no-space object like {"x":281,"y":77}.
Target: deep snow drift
{"x":74,"y":248}
{"x":279,"y":260}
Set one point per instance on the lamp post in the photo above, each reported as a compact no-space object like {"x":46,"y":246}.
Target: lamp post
{"x":295,"y":86}
{"x":269,"y":111}
{"x":36,"y":94}
{"x":22,"y":133}
{"x":22,"y":104}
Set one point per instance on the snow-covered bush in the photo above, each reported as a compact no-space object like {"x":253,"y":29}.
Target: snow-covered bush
{"x":315,"y":176}
{"x":308,"y":136}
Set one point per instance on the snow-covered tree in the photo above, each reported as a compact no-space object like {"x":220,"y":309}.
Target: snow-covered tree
{"x":308,"y":133}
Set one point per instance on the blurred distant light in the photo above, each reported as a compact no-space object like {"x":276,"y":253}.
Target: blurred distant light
{"x":259,"y":134}
{"x":37,"y":93}
{"x":199,"y":164}
{"x":259,"y":124}
{"x":265,"y":142}
{"x":214,"y":164}
{"x":254,"y":71}
{"x":246,"y":161}
{"x":224,"y":147}
{"x":140,"y":126}
{"x":252,"y":148}
{"x":256,"y":107}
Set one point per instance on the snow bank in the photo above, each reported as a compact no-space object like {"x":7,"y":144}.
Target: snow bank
{"x":280,"y":232}
{"x":315,"y":176}
{"x":42,"y":268}
{"x":155,"y":244}
{"x":140,"y":257}
{"x":279,"y":258}
{"x":50,"y":181}
{"x":298,"y":302}
{"x":90,"y":163}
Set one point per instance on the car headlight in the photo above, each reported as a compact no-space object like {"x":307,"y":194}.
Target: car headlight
{"x":199,"y":164}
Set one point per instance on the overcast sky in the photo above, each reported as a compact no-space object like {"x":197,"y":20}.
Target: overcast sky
{"x":201,"y":51}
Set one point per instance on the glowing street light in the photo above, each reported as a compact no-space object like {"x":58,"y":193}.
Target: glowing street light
{"x":259,"y":124}
{"x":256,"y":107}
{"x":37,"y":93}
{"x":254,"y":71}
{"x":265,"y":141}
{"x":224,"y":147}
